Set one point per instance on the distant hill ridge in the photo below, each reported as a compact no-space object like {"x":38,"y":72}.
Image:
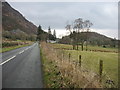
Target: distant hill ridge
{"x":93,"y":38}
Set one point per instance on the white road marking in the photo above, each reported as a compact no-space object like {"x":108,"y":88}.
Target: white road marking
{"x":26,"y":49}
{"x":21,"y":52}
{"x":7,"y":60}
{"x":15,"y":56}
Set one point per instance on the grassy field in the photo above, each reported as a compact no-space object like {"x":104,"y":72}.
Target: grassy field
{"x":90,"y":47}
{"x":90,"y":60}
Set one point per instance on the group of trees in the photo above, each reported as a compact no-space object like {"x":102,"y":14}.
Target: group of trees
{"x":44,"y":36}
{"x":50,"y":36}
{"x":75,"y":29}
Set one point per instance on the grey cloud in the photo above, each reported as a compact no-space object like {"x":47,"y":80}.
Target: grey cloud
{"x":103,"y":15}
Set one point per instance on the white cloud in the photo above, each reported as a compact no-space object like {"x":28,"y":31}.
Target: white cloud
{"x":62,"y":0}
{"x":104,"y":15}
{"x":60,"y":32}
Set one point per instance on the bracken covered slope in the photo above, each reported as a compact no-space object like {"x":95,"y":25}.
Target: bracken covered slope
{"x":13,"y":20}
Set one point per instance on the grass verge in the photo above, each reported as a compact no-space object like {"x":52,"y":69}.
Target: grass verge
{"x":51,"y":74}
{"x":12,"y":48}
{"x":59,"y":72}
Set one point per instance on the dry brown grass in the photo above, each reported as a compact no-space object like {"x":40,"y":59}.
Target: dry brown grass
{"x":77,"y":77}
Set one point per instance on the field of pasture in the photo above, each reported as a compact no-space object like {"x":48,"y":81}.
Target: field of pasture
{"x":90,"y":61}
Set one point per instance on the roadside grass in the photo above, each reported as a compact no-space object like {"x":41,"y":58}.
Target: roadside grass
{"x":59,"y":72}
{"x":51,"y":73}
{"x":5,"y":49}
{"x":90,"y":61}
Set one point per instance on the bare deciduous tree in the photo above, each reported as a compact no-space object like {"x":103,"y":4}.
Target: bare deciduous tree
{"x":78,"y":26}
{"x":87,"y":25}
{"x":68,"y":27}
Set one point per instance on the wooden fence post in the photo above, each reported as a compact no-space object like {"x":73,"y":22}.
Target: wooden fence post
{"x":80,"y":60}
{"x":69,"y":56}
{"x":100,"y":69}
{"x":57,"y":55}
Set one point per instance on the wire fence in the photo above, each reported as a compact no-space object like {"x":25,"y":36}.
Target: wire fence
{"x":80,"y":73}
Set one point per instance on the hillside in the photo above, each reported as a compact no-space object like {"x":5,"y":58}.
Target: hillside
{"x":96,"y":38}
{"x":13,"y":23}
{"x":93,"y":39}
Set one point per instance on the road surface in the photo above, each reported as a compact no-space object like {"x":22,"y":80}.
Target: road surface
{"x":21,"y":68}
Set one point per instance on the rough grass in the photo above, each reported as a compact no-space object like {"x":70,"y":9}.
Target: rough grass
{"x":90,"y":61}
{"x":12,"y":48}
{"x":51,"y":72}
{"x":59,"y":72}
{"x":8,"y":45}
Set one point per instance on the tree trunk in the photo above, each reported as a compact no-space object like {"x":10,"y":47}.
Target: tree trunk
{"x":73,"y":46}
{"x":82,"y":46}
{"x":77,"y":47}
{"x":86,"y":45}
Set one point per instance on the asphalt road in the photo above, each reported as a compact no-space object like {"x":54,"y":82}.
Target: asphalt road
{"x":21,"y":68}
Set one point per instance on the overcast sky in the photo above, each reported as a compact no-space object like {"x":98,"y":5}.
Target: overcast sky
{"x":103,"y":15}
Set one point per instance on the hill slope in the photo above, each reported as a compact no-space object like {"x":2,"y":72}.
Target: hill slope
{"x":13,"y":23}
{"x":93,"y":38}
